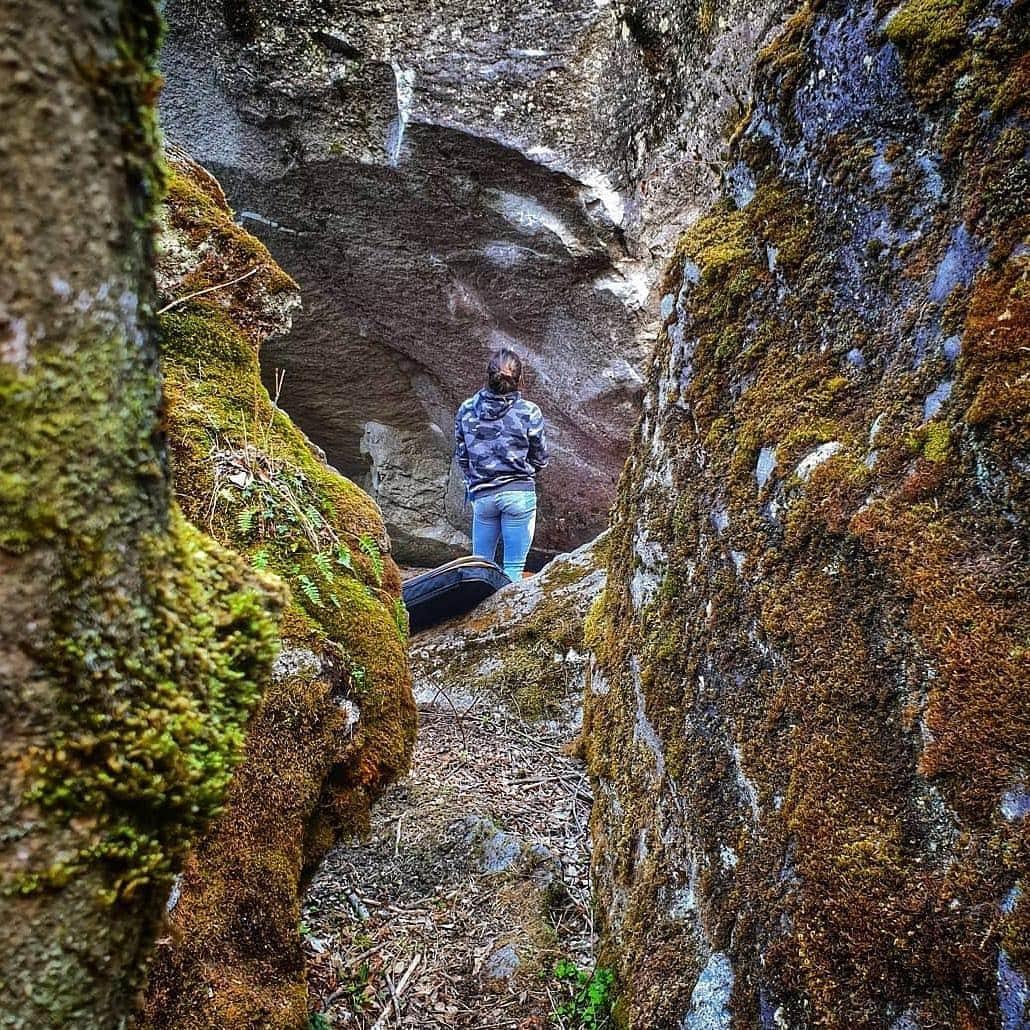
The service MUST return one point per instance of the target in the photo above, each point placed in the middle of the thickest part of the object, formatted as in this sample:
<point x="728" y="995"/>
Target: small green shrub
<point x="587" y="997"/>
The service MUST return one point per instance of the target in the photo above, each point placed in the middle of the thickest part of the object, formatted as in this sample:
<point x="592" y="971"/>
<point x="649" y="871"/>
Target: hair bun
<point x="504" y="373"/>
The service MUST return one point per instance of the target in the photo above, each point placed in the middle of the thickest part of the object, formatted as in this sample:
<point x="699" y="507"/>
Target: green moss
<point x="166" y="680"/>
<point x="933" y="36"/>
<point x="935" y="27"/>
<point x="247" y="476"/>
<point x="593" y="625"/>
<point x="171" y="684"/>
<point x="932" y="441"/>
<point x="719" y="244"/>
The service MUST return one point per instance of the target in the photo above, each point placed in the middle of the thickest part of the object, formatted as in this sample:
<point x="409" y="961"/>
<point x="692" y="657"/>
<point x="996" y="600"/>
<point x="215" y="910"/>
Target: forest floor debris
<point x="473" y="886"/>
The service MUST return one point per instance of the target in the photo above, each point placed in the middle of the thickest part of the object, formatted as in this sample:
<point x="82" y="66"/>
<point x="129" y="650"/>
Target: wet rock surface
<point x="442" y="180"/>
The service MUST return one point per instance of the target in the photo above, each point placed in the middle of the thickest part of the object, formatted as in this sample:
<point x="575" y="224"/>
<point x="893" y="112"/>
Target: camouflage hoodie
<point x="499" y="442"/>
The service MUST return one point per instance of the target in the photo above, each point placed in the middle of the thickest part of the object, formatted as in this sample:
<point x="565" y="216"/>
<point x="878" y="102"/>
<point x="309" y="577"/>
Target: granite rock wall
<point x="807" y="716"/>
<point x="446" y="179"/>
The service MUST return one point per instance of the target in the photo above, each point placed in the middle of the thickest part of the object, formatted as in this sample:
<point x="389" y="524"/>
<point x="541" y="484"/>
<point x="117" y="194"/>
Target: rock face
<point x="446" y="179"/>
<point x="808" y="718"/>
<point x="132" y="648"/>
<point x="337" y="720"/>
<point x="525" y="645"/>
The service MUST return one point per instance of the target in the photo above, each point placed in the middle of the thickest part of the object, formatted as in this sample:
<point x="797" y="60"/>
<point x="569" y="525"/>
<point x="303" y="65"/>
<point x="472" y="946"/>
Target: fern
<point x="370" y="549"/>
<point x="314" y="516"/>
<point x="400" y="617"/>
<point x="310" y="590"/>
<point x="259" y="559"/>
<point x="325" y="565"/>
<point x="358" y="675"/>
<point x="344" y="557"/>
<point x="245" y="521"/>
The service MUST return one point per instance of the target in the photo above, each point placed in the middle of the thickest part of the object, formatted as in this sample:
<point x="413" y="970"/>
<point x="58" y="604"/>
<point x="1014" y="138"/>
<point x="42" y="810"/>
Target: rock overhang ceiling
<point x="445" y="181"/>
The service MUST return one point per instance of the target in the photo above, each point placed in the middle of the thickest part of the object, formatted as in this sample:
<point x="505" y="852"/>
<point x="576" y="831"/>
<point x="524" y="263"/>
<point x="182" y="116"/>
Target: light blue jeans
<point x="509" y="515"/>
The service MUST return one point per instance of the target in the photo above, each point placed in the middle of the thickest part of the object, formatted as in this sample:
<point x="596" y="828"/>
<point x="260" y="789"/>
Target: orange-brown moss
<point x="833" y="664"/>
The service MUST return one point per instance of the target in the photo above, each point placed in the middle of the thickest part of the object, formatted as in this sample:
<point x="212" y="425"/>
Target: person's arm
<point x="538" y="456"/>
<point x="461" y="451"/>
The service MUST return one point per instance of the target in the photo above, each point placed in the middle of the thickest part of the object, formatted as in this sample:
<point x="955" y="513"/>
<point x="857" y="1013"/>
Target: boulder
<point x="337" y="720"/>
<point x="807" y="716"/>
<point x="133" y="648"/>
<point x="445" y="180"/>
<point x="525" y="645"/>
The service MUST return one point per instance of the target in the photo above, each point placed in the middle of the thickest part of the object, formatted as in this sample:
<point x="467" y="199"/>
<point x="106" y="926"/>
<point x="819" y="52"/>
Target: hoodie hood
<point x="490" y="406"/>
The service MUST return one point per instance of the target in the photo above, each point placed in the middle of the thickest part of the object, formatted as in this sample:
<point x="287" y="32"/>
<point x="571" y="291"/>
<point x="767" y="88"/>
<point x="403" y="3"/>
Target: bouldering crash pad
<point x="451" y="590"/>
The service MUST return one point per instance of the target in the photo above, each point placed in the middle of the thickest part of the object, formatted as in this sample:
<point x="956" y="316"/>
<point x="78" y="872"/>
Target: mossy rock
<point x="525" y="645"/>
<point x="337" y="722"/>
<point x="808" y="722"/>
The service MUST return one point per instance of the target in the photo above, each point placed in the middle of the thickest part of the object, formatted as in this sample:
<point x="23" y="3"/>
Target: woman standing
<point x="499" y="445"/>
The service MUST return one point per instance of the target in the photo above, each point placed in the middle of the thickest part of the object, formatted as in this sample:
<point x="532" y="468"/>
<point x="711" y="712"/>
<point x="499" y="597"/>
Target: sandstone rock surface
<point x="445" y="179"/>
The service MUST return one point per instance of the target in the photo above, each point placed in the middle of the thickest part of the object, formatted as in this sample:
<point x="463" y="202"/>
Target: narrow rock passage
<point x="473" y="884"/>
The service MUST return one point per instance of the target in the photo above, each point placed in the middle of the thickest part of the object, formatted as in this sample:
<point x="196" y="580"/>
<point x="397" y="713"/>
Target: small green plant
<point x="245" y="521"/>
<point x="355" y="988"/>
<point x="260" y="560"/>
<point x="400" y="616"/>
<point x="587" y="997"/>
<point x="370" y="549"/>
<point x="310" y="590"/>
<point x="324" y="563"/>
<point x="358" y="675"/>
<point x="344" y="557"/>
<point x="319" y="1021"/>
<point x="280" y="503"/>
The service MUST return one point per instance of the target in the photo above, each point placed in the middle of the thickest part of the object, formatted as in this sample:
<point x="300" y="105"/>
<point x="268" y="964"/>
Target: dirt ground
<point x="474" y="883"/>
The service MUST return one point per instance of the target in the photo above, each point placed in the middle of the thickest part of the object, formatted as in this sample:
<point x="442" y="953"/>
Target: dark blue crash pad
<point x="451" y="590"/>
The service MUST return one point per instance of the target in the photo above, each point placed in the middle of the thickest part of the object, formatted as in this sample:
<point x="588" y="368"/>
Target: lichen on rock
<point x="808" y="704"/>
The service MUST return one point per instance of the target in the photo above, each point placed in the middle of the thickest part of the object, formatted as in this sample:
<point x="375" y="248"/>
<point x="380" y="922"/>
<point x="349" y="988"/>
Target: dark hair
<point x="504" y="373"/>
